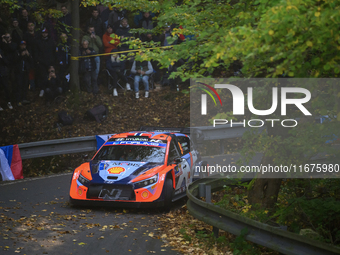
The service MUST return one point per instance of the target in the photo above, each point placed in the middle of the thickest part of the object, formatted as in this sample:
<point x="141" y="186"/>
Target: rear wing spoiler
<point x="195" y="134"/>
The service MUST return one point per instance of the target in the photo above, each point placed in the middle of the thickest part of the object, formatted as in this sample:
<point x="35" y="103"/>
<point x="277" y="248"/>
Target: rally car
<point x="137" y="169"/>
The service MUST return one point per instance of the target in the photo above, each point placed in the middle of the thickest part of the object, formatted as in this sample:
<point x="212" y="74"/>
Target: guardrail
<point x="262" y="234"/>
<point x="88" y="143"/>
<point x="57" y="147"/>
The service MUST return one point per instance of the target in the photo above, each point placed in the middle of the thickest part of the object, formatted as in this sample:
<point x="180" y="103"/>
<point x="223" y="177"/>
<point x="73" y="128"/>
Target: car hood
<point x="119" y="172"/>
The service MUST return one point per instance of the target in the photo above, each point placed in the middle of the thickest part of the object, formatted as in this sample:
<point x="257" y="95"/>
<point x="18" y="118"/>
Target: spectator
<point x="23" y="64"/>
<point x="30" y="37"/>
<point x="166" y="33"/>
<point x="4" y="80"/>
<point x="142" y="69"/>
<point x="124" y="33"/>
<point x="115" y="18"/>
<point x="116" y="67"/>
<point x="65" y="22"/>
<point x="50" y="24"/>
<point x="24" y="20"/>
<point x="95" y="42"/>
<point x="9" y="50"/>
<point x="63" y="58"/>
<point x="110" y="40"/>
<point x="146" y="22"/>
<point x="96" y="22"/>
<point x="104" y="13"/>
<point x="137" y="18"/>
<point x="87" y="67"/>
<point x="39" y="22"/>
<point x="44" y="56"/>
<point x="149" y="37"/>
<point x="16" y="32"/>
<point x="52" y="85"/>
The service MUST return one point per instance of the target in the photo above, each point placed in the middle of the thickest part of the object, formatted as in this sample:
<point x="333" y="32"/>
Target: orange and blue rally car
<point x="137" y="169"/>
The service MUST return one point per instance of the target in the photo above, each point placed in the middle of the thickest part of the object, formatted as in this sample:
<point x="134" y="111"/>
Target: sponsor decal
<point x="116" y="170"/>
<point x="145" y="194"/>
<point x="178" y="170"/>
<point x="80" y="192"/>
<point x="142" y="143"/>
<point x="140" y="139"/>
<point x="110" y="194"/>
<point x="125" y="164"/>
<point x="180" y="190"/>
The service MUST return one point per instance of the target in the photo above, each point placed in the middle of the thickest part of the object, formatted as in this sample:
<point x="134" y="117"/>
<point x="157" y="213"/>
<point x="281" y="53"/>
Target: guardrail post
<point x="208" y="194"/>
<point x="201" y="190"/>
<point x="208" y="200"/>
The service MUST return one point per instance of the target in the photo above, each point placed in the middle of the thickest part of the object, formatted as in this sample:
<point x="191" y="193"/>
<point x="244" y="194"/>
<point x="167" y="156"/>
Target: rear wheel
<point x="167" y="193"/>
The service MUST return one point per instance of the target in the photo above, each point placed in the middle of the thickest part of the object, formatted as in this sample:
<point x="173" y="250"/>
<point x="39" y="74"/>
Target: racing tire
<point x="167" y="193"/>
<point x="204" y="166"/>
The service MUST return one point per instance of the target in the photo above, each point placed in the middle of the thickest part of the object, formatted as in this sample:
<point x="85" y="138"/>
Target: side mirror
<point x="177" y="160"/>
<point x="86" y="158"/>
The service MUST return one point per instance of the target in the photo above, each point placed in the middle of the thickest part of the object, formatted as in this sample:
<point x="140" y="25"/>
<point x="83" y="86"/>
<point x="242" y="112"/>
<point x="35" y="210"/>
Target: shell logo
<point x="116" y="170"/>
<point x="145" y="194"/>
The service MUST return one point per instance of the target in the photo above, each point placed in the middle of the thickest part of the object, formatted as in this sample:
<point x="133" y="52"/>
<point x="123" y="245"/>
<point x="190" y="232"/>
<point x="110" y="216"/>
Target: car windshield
<point x="141" y="153"/>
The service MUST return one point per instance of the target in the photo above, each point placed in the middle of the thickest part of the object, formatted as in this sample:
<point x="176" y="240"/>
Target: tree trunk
<point x="75" y="48"/>
<point x="265" y="191"/>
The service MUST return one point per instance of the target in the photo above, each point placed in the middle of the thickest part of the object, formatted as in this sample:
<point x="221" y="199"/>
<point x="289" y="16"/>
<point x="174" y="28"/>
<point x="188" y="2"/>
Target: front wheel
<point x="167" y="193"/>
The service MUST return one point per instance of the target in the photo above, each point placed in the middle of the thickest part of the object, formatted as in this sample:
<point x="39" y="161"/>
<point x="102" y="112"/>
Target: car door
<point x="181" y="168"/>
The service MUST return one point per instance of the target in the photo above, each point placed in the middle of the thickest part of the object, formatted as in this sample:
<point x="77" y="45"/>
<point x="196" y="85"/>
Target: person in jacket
<point x="52" y="84"/>
<point x="142" y="70"/>
<point x="4" y="80"/>
<point x="63" y="59"/>
<point x="15" y="31"/>
<point x="116" y="67"/>
<point x="31" y="37"/>
<point x="87" y="67"/>
<point x="146" y="23"/>
<point x="96" y="22"/>
<point x="24" y="20"/>
<point x="95" y="42"/>
<point x="124" y="34"/>
<point x="110" y="40"/>
<point x="9" y="50"/>
<point x="65" y="22"/>
<point x="115" y="18"/>
<point x="23" y="64"/>
<point x="44" y="56"/>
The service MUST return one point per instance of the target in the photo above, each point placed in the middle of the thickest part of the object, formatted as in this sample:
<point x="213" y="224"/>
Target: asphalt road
<point x="35" y="218"/>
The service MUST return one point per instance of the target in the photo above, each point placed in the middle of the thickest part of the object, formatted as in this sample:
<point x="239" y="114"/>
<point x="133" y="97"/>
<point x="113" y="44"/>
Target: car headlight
<point x="146" y="182"/>
<point x="83" y="180"/>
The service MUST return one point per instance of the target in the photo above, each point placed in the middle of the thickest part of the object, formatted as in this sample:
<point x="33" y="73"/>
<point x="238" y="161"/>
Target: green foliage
<point x="184" y="234"/>
<point x="312" y="204"/>
<point x="302" y="204"/>
<point x="241" y="246"/>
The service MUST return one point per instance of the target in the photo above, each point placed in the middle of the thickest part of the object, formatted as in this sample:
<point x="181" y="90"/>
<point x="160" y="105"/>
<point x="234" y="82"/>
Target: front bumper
<point x="116" y="204"/>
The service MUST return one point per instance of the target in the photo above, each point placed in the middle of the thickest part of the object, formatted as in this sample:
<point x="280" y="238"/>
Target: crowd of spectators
<point x="35" y="52"/>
